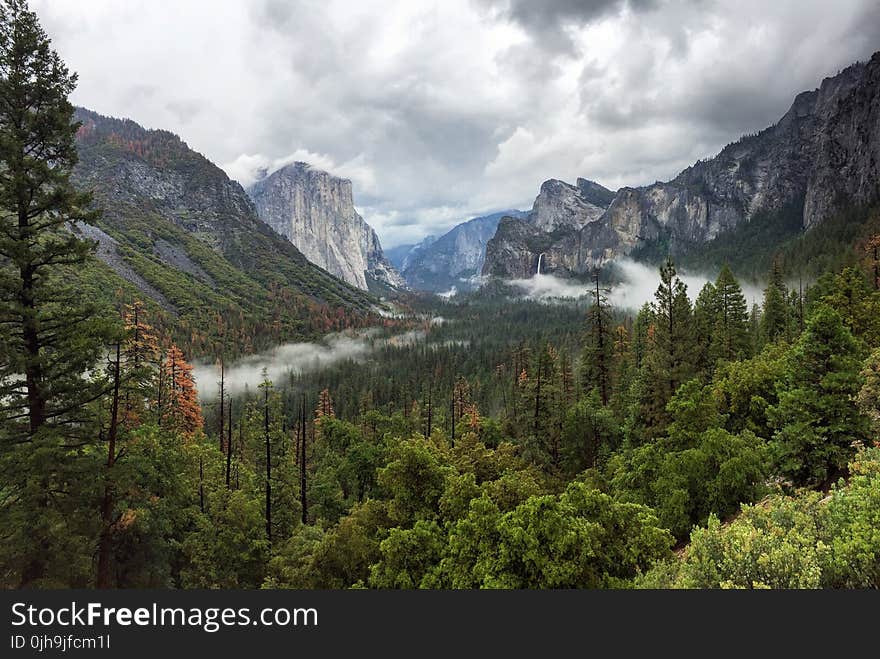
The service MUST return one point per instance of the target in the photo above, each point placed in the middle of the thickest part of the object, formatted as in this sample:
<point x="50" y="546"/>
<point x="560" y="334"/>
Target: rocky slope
<point x="561" y="214"/>
<point x="186" y="237"/>
<point x="455" y="258"/>
<point x="822" y="155"/>
<point x="315" y="211"/>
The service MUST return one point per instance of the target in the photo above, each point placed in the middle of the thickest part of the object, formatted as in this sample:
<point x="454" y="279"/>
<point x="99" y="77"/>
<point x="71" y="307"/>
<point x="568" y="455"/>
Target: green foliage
<point x="228" y="548"/>
<point x="579" y="539"/>
<point x="869" y="394"/>
<point x="410" y="557"/>
<point x="816" y="422"/>
<point x="670" y="359"/>
<point x="698" y="469"/>
<point x="414" y="477"/>
<point x="50" y="336"/>
<point x="806" y="541"/>
<point x="589" y="432"/>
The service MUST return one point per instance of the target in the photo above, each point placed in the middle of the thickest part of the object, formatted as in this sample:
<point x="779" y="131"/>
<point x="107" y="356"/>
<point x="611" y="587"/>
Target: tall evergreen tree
<point x="670" y="358"/>
<point x="730" y="334"/>
<point x="816" y="419"/>
<point x="596" y="358"/>
<point x="706" y="313"/>
<point x="775" y="316"/>
<point x="49" y="338"/>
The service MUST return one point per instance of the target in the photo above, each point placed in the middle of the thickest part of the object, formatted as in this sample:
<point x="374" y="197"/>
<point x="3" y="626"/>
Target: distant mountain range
<point x="454" y="259"/>
<point x="822" y="156"/>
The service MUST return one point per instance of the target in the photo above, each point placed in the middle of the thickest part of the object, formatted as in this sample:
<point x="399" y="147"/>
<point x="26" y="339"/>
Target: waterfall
<point x="540" y="258"/>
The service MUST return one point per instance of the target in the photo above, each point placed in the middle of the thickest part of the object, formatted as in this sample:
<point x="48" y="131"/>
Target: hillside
<point x="185" y="236"/>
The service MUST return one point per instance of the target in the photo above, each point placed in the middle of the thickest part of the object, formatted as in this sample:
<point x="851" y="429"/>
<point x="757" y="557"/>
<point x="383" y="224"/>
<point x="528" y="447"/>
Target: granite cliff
<point x="821" y="156"/>
<point x="315" y="211"/>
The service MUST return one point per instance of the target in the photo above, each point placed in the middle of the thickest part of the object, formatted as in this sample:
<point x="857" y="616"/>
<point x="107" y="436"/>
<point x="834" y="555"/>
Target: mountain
<point x="315" y="211"/>
<point x="176" y="231"/>
<point x="553" y="227"/>
<point x="397" y="255"/>
<point x="455" y="257"/>
<point x="401" y="255"/>
<point x="821" y="157"/>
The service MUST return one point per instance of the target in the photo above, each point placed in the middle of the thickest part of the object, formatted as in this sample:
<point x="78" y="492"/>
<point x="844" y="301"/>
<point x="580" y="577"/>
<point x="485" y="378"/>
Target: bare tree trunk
<point x="302" y="463"/>
<point x="105" y="543"/>
<point x="268" y="467"/>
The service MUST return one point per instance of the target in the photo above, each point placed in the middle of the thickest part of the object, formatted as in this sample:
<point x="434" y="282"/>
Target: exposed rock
<point x="174" y="225"/>
<point x="106" y="251"/>
<point x="824" y="152"/>
<point x="315" y="211"/>
<point x="554" y="227"/>
<point x="455" y="258"/>
<point x="563" y="206"/>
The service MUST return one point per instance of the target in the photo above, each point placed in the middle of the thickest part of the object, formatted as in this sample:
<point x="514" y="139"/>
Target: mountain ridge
<point x="454" y="258"/>
<point x="823" y="153"/>
<point x="186" y="237"/>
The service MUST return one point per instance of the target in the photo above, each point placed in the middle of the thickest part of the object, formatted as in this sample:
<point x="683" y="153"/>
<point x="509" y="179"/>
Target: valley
<point x="211" y="383"/>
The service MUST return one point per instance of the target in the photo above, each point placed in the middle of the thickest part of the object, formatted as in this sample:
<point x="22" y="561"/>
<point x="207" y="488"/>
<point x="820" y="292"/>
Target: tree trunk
<point x="105" y="544"/>
<point x="302" y="463"/>
<point x="268" y="467"/>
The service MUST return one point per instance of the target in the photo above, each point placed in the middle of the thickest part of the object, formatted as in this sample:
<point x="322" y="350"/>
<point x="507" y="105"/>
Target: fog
<point x="296" y="358"/>
<point x="637" y="286"/>
<point x="289" y="358"/>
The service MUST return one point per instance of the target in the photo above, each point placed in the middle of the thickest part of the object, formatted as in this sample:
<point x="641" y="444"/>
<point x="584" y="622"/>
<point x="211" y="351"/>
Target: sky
<point x="442" y="111"/>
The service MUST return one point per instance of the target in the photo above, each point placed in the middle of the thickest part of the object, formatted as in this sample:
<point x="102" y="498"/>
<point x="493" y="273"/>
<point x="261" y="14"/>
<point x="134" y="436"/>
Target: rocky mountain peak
<point x="823" y="154"/>
<point x="315" y="211"/>
<point x="560" y="205"/>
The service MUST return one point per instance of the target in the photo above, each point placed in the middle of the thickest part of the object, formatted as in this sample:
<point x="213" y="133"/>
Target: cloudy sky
<point x="440" y="111"/>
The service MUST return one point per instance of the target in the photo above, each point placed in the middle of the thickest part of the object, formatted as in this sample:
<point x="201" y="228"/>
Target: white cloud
<point x="440" y="111"/>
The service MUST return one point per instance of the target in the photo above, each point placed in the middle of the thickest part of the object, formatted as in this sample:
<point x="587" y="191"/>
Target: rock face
<point x="455" y="258"/>
<point x="561" y="206"/>
<point x="561" y="215"/>
<point x="822" y="154"/>
<point x="315" y="211"/>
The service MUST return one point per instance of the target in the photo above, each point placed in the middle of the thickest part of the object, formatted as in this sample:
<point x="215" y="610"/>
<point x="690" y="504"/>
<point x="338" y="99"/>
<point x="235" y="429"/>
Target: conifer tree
<point x="816" y="420"/>
<point x="598" y="345"/>
<point x="775" y="315"/>
<point x="670" y="358"/>
<point x="49" y="337"/>
<point x="182" y="412"/>
<point x="730" y="334"/>
<point x="706" y="314"/>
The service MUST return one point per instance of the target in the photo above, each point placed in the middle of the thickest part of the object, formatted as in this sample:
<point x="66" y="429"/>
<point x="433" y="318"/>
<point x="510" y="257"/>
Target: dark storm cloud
<point x="547" y="21"/>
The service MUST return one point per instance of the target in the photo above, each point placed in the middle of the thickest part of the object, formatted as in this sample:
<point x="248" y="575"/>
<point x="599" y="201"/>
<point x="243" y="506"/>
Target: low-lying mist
<point x="638" y="284"/>
<point x="296" y="358"/>
<point x="247" y="373"/>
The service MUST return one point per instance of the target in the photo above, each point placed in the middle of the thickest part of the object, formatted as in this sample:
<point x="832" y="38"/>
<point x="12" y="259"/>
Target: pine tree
<point x="325" y="406"/>
<point x="644" y="320"/>
<point x="49" y="337"/>
<point x="597" y="353"/>
<point x="815" y="418"/>
<point x="670" y="358"/>
<point x="182" y="411"/>
<point x="140" y="352"/>
<point x="706" y="313"/>
<point x="774" y="319"/>
<point x="730" y="333"/>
